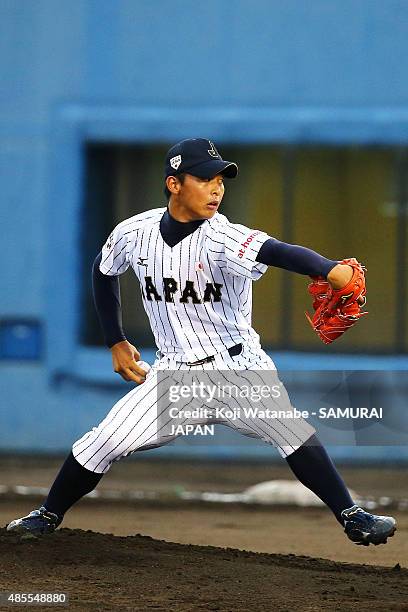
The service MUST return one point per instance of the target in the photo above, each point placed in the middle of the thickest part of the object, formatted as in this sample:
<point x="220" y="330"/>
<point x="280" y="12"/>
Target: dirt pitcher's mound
<point x="105" y="572"/>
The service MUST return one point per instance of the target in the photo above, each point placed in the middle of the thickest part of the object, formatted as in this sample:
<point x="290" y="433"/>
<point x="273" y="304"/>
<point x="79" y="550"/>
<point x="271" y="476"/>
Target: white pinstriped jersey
<point x="198" y="293"/>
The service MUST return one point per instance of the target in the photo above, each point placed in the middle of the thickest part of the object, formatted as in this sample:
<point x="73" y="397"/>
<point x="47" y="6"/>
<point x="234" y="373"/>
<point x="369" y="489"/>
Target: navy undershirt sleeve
<point x="294" y="258"/>
<point x="106" y="294"/>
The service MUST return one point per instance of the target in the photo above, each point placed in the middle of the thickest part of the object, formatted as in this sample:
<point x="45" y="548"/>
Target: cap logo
<point x="213" y="151"/>
<point x="175" y="162"/>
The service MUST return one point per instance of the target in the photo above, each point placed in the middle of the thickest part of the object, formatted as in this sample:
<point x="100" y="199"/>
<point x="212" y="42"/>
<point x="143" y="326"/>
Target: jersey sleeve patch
<point x="242" y="246"/>
<point x="115" y="257"/>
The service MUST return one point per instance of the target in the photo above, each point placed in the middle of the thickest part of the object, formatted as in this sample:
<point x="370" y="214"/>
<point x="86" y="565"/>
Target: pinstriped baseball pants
<point x="135" y="422"/>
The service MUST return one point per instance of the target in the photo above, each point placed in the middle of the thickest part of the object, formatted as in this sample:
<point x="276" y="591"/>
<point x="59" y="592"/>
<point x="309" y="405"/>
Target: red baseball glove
<point x="336" y="310"/>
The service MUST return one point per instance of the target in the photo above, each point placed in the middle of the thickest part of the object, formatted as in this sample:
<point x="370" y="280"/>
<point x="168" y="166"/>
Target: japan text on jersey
<point x="198" y="293"/>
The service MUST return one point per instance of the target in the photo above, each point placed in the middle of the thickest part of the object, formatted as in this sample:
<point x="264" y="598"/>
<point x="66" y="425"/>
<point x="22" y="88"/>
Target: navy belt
<point x="233" y="352"/>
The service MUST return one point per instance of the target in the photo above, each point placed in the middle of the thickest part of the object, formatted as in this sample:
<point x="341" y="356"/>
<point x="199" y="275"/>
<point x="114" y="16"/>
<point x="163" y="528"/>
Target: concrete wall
<point x="89" y="70"/>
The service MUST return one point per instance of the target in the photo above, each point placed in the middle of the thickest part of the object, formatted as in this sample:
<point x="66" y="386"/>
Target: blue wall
<point x="243" y="71"/>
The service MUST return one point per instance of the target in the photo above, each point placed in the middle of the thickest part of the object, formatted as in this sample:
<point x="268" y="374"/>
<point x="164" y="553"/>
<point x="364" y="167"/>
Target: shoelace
<point x="360" y="517"/>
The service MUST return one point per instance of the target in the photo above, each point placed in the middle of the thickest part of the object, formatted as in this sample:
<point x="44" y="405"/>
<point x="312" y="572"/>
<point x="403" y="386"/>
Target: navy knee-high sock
<point x="72" y="483"/>
<point x="313" y="467"/>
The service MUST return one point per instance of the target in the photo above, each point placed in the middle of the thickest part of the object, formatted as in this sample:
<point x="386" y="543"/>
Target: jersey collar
<point x="174" y="231"/>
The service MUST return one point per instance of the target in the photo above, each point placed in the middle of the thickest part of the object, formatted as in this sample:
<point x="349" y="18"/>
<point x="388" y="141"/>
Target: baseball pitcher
<point x="195" y="270"/>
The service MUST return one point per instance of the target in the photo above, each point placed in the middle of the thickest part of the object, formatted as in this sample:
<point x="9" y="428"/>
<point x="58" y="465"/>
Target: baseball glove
<point x="336" y="310"/>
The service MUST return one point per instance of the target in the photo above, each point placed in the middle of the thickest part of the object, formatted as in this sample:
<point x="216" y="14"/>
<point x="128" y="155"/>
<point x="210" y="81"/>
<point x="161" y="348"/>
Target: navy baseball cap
<point x="199" y="157"/>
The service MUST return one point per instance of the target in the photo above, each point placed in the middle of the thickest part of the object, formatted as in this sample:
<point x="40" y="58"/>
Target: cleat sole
<point x="24" y="532"/>
<point x="18" y="529"/>
<point x="366" y="541"/>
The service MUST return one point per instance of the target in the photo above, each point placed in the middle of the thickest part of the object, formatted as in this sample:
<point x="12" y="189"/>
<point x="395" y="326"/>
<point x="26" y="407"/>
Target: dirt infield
<point x="105" y="572"/>
<point x="297" y="531"/>
<point x="301" y="531"/>
<point x="304" y="560"/>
